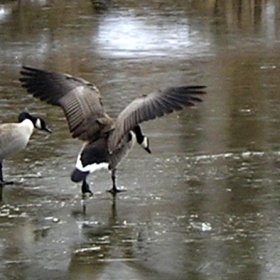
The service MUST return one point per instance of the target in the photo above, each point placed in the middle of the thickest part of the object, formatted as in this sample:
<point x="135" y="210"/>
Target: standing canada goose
<point x="15" y="136"/>
<point x="107" y="141"/>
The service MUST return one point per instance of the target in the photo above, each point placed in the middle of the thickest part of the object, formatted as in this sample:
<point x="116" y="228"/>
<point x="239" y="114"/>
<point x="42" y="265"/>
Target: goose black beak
<point x="47" y="129"/>
<point x="148" y="150"/>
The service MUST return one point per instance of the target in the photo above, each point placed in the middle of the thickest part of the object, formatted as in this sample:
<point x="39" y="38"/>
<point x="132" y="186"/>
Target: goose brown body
<point x="107" y="140"/>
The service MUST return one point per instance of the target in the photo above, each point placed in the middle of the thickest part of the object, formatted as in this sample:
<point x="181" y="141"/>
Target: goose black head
<point x="145" y="144"/>
<point x="38" y="123"/>
<point x="142" y="140"/>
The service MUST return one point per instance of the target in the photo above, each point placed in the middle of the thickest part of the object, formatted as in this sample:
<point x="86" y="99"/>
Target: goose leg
<point x="85" y="188"/>
<point x="2" y="182"/>
<point x="114" y="190"/>
<point x="1" y="172"/>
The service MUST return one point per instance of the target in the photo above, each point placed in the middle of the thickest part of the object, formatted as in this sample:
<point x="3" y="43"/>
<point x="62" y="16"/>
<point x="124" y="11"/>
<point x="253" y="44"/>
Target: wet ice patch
<point x="202" y="226"/>
<point x="10" y="211"/>
<point x="268" y="67"/>
<point x="52" y="219"/>
<point x="87" y="252"/>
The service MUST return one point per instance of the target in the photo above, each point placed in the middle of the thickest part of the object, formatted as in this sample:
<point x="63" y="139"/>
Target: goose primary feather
<point x="107" y="141"/>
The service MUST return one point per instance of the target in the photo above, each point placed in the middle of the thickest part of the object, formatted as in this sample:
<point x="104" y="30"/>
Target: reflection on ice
<point x="131" y="36"/>
<point x="4" y="12"/>
<point x="270" y="19"/>
<point x="242" y="155"/>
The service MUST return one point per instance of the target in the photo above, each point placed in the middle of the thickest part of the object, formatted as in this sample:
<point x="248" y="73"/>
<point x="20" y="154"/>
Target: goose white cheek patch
<point x="90" y="167"/>
<point x="38" y="123"/>
<point x="145" y="143"/>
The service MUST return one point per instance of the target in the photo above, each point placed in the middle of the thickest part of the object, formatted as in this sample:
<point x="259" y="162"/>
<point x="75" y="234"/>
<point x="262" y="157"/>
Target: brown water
<point x="205" y="204"/>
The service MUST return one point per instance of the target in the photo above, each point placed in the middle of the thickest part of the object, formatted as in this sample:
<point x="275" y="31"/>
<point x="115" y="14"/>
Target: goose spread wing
<point x="154" y="105"/>
<point x="79" y="99"/>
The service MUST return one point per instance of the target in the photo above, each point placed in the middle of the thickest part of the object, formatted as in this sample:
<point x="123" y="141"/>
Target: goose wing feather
<point x="79" y="99"/>
<point x="154" y="105"/>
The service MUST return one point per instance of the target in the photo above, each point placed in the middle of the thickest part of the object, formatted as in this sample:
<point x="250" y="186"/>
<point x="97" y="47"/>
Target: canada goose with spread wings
<point x="107" y="141"/>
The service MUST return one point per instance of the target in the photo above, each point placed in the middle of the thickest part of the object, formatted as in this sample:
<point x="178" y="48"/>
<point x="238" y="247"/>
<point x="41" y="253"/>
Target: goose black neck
<point x="139" y="135"/>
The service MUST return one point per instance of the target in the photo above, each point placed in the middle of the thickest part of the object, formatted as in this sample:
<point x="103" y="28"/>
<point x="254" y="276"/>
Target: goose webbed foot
<point x="85" y="188"/>
<point x="114" y="190"/>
